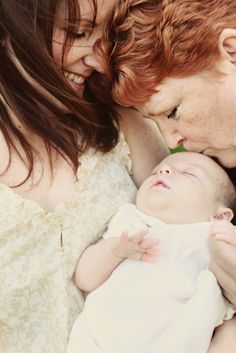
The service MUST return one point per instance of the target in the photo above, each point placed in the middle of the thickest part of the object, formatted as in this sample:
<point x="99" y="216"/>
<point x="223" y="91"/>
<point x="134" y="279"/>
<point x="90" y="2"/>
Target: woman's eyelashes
<point x="79" y="35"/>
<point x="172" y="114"/>
<point x="76" y="34"/>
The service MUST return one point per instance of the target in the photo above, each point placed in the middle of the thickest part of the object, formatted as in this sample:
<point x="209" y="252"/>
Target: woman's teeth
<point x="74" y="78"/>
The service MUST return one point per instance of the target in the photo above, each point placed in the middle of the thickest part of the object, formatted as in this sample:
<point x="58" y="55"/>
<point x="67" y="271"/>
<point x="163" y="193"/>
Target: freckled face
<point x="199" y="112"/>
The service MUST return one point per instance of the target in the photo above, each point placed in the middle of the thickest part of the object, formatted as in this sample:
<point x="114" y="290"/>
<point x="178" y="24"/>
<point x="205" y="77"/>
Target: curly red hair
<point x="147" y="41"/>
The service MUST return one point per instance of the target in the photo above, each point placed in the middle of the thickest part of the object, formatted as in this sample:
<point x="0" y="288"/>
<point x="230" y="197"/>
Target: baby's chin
<point x="142" y="208"/>
<point x="149" y="212"/>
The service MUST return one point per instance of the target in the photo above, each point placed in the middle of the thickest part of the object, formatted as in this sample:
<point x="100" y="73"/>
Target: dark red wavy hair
<point x="149" y="40"/>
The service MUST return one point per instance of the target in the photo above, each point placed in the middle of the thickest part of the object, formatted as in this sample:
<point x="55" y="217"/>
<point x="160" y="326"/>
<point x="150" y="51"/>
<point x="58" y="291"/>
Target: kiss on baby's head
<point x="187" y="187"/>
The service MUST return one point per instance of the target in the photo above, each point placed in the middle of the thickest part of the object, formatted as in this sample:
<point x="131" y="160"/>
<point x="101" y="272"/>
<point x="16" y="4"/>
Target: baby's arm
<point x="99" y="260"/>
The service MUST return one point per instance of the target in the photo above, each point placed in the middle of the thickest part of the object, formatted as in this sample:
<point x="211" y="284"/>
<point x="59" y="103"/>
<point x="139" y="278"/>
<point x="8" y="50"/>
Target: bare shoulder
<point x="147" y="147"/>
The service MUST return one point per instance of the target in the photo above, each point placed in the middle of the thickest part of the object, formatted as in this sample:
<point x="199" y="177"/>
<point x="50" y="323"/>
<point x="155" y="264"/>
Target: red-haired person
<point x="63" y="159"/>
<point x="175" y="61"/>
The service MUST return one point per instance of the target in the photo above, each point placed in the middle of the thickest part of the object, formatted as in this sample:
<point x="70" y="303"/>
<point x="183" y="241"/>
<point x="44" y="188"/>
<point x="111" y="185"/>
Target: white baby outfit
<point x="170" y="306"/>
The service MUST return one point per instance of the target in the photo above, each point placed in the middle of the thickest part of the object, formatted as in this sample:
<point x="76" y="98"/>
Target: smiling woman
<point x="78" y="63"/>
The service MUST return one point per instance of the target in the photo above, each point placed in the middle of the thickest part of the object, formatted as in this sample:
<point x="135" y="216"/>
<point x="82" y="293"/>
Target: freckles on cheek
<point x="194" y="123"/>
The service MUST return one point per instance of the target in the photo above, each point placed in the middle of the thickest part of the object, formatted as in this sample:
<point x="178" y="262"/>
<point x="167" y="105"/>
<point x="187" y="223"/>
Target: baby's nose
<point x="165" y="169"/>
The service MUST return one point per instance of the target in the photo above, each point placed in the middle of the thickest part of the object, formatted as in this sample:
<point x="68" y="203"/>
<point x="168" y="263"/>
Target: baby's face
<point x="184" y="188"/>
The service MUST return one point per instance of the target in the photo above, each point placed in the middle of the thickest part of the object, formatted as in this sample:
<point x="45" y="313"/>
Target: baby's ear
<point x="227" y="44"/>
<point x="223" y="213"/>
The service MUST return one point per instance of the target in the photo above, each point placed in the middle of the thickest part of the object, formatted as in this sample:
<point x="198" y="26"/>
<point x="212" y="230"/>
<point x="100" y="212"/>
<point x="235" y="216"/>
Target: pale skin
<point x="143" y="138"/>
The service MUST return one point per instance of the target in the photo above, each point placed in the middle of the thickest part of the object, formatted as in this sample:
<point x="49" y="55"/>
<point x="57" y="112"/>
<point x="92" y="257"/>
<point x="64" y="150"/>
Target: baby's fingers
<point x="150" y="257"/>
<point x="138" y="237"/>
<point x="149" y="243"/>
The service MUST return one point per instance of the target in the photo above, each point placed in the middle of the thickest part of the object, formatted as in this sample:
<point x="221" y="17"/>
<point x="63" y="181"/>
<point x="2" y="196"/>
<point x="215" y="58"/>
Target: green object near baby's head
<point x="178" y="149"/>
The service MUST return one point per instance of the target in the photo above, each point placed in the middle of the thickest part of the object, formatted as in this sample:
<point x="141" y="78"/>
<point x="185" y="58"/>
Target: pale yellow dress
<point x="39" y="251"/>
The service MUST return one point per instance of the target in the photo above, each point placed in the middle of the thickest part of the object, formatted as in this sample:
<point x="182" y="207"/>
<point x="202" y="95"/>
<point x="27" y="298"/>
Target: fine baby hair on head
<point x="152" y="40"/>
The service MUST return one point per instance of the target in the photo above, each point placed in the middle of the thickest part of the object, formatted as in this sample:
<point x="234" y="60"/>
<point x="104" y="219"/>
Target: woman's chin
<point x="228" y="162"/>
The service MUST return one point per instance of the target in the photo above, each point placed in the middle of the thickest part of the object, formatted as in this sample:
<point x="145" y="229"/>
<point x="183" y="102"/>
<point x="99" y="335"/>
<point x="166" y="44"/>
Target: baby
<point x="170" y="302"/>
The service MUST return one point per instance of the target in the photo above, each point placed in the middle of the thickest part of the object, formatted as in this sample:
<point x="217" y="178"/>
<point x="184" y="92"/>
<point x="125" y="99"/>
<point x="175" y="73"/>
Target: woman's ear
<point x="223" y="213"/>
<point x="227" y="44"/>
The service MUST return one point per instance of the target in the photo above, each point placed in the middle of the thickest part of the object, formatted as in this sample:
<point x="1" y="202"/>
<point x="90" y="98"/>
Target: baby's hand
<point x="135" y="246"/>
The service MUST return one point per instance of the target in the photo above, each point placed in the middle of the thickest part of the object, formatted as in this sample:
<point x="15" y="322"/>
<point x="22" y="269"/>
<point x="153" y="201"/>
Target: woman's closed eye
<point x="172" y="114"/>
<point x="77" y="35"/>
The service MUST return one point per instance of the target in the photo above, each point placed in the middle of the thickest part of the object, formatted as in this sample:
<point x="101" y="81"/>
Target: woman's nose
<point x="170" y="133"/>
<point x="91" y="61"/>
<point x="174" y="140"/>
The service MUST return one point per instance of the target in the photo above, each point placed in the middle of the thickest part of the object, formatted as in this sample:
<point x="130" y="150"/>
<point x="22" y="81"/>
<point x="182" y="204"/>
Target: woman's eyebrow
<point x="84" y="22"/>
<point x="161" y="109"/>
<point x="157" y="113"/>
<point x="152" y="114"/>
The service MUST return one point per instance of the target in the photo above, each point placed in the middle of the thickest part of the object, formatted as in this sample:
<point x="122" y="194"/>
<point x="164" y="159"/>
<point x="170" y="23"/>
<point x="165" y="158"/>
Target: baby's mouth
<point x="160" y="183"/>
